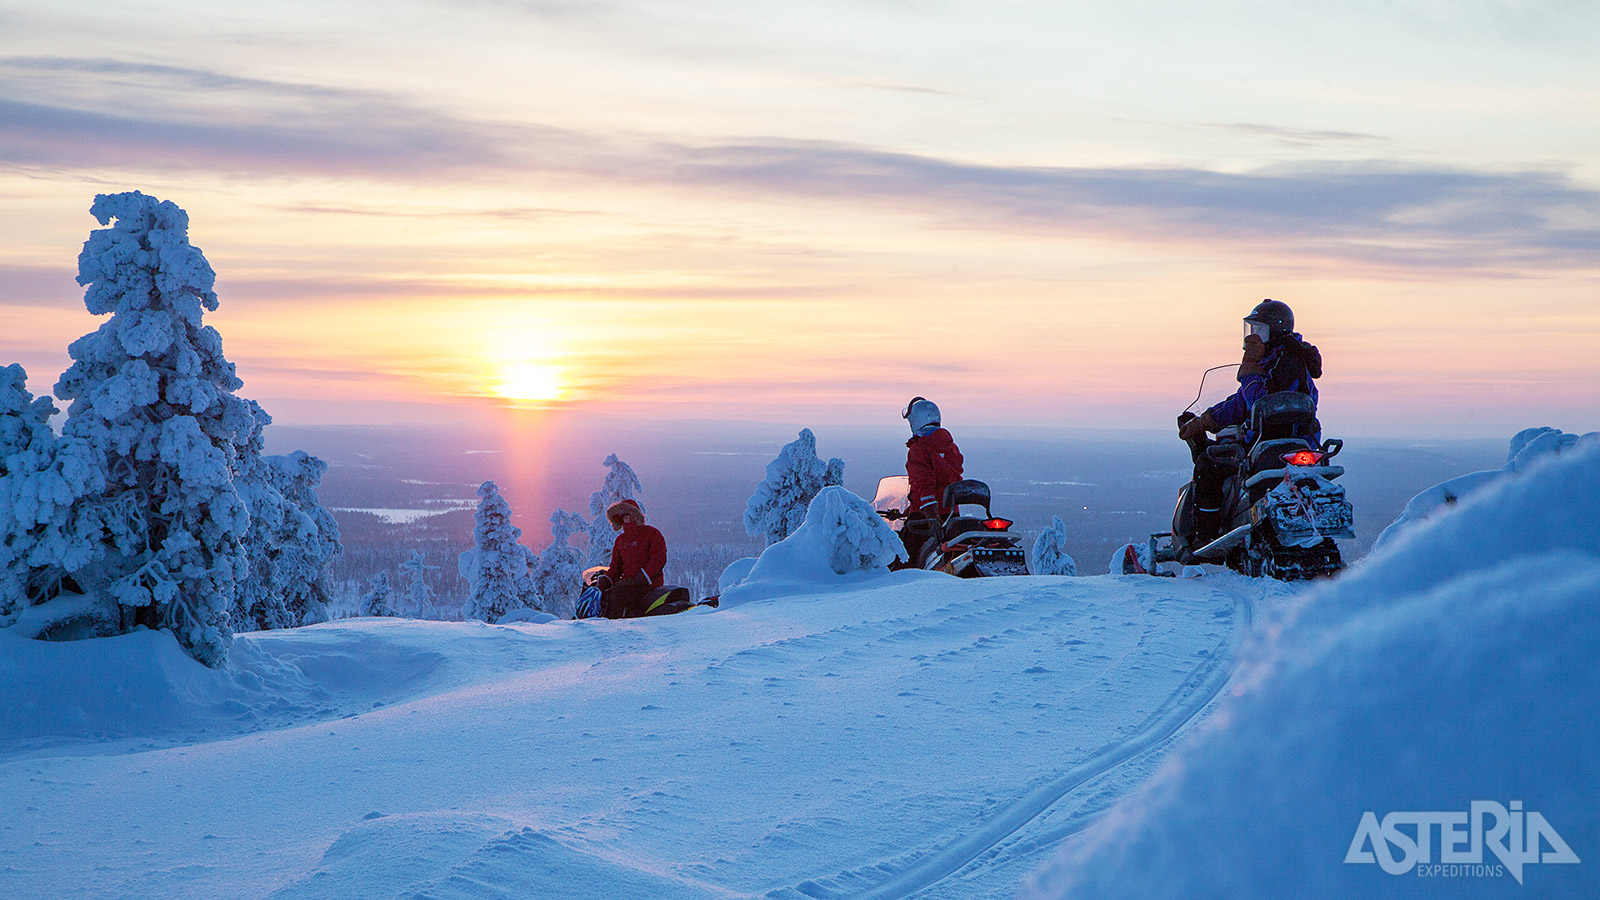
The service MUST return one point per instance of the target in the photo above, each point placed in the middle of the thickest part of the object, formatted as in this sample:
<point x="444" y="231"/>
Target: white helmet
<point x="920" y="412"/>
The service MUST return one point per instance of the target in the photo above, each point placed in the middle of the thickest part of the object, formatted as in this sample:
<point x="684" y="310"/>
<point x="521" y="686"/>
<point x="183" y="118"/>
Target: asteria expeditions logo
<point x="1516" y="838"/>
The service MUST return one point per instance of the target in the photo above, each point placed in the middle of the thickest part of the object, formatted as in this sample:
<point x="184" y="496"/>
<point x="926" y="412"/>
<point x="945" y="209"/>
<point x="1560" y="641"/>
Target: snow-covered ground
<point x="899" y="733"/>
<point x="864" y="735"/>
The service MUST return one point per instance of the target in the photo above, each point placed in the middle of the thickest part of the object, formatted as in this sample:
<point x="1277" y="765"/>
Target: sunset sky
<point x="1046" y="213"/>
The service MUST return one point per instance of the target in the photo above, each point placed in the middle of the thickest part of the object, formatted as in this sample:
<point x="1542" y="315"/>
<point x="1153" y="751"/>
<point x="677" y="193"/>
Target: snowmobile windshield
<point x="1259" y="329"/>
<point x="1216" y="385"/>
<point x="894" y="493"/>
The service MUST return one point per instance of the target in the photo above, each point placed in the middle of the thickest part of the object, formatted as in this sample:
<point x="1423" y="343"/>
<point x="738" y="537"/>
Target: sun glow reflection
<point x="526" y="381"/>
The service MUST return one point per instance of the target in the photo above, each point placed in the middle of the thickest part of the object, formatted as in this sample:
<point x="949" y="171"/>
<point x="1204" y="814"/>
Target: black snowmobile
<point x="962" y="544"/>
<point x="1282" y="510"/>
<point x="662" y="601"/>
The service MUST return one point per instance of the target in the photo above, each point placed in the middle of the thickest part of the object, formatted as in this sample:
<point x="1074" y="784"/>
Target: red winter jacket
<point x="933" y="463"/>
<point x="639" y="548"/>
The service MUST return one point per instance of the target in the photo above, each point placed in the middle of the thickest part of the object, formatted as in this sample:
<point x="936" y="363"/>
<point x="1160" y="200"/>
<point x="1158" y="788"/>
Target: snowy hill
<point x="907" y="730"/>
<point x="864" y="736"/>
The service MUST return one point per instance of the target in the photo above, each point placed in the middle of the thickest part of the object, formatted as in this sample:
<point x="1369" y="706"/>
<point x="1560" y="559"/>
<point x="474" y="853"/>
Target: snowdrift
<point x="842" y="541"/>
<point x="1455" y="665"/>
<point x="142" y="686"/>
<point x="1528" y="446"/>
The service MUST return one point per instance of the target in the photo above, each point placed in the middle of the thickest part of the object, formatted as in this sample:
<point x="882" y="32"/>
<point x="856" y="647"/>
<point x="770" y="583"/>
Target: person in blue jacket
<point x="1275" y="359"/>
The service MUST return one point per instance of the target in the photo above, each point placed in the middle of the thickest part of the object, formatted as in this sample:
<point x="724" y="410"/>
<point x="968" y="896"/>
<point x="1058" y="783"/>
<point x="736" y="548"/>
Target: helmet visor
<point x="1260" y="329"/>
<point x="906" y="413"/>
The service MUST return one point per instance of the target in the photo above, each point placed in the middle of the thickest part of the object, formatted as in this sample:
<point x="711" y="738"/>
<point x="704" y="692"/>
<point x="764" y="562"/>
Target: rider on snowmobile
<point x="933" y="463"/>
<point x="1275" y="359"/>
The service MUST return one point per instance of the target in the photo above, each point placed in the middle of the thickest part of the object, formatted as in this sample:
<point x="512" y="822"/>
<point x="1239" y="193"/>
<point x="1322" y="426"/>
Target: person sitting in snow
<point x="638" y="561"/>
<point x="1275" y="359"/>
<point x="933" y="463"/>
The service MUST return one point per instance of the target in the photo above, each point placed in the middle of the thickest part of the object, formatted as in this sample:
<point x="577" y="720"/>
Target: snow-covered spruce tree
<point x="153" y="402"/>
<point x="779" y="505"/>
<point x="379" y="598"/>
<point x="620" y="484"/>
<point x="560" y="568"/>
<point x="500" y="577"/>
<point x="34" y="500"/>
<point x="419" y="594"/>
<point x="1050" y="555"/>
<point x="291" y="543"/>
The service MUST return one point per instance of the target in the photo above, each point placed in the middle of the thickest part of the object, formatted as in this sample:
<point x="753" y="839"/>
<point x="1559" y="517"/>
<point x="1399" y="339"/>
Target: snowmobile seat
<point x="967" y="491"/>
<point x="666" y="600"/>
<point x="1280" y="415"/>
<point x="961" y="525"/>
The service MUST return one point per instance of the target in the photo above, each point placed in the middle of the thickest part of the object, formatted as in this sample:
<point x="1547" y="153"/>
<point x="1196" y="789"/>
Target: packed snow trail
<point x="738" y="753"/>
<point x="1197" y="692"/>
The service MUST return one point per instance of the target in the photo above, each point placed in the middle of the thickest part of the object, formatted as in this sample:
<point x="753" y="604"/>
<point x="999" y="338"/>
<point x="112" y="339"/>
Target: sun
<point x="526" y="381"/>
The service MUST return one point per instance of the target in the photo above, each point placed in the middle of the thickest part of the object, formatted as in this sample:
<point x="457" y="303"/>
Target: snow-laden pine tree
<point x="620" y="484"/>
<point x="291" y="543"/>
<point x="1050" y="555"/>
<point x="557" y="575"/>
<point x="33" y="505"/>
<point x="794" y="478"/>
<point x="153" y="404"/>
<point x="500" y="578"/>
<point x="419" y="594"/>
<point x="379" y="598"/>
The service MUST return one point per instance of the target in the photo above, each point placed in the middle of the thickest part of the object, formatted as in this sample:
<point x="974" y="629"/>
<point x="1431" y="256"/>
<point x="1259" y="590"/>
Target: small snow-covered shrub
<point x="1050" y="555"/>
<point x="856" y="537"/>
<point x="419" y="594"/>
<point x="379" y="598"/>
<point x="794" y="478"/>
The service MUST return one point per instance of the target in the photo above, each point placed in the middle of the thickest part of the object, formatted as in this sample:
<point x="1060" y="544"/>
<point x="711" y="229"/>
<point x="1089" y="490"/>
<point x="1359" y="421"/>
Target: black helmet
<point x="1277" y="316"/>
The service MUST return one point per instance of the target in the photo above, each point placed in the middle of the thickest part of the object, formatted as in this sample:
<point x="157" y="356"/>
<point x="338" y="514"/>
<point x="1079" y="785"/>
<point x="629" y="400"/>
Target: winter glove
<point x="1255" y="350"/>
<point x="1197" y="427"/>
<point x="603" y="582"/>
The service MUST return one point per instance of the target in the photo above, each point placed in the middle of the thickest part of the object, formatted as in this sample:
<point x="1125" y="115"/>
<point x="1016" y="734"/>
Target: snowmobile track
<point x="1203" y="685"/>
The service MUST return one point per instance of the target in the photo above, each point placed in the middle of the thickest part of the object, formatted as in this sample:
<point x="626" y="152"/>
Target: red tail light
<point x="1304" y="457"/>
<point x="997" y="524"/>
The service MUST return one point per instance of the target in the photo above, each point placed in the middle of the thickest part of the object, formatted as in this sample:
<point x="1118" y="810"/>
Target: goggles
<point x="1259" y="329"/>
<point x="906" y="413"/>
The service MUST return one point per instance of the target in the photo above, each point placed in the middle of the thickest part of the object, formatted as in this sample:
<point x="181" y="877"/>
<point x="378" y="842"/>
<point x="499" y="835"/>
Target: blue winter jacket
<point x="1291" y="364"/>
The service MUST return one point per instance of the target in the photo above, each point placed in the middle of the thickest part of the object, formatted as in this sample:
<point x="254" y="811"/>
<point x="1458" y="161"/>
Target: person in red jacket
<point x="933" y="463"/>
<point x="638" y="559"/>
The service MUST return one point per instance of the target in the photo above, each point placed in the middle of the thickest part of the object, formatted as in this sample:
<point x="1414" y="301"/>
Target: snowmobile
<point x="962" y="543"/>
<point x="662" y="601"/>
<point x="1282" y="510"/>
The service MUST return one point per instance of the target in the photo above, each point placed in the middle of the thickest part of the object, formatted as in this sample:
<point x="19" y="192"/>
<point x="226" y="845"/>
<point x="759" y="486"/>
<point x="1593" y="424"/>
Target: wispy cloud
<point x="143" y="117"/>
<point x="99" y="113"/>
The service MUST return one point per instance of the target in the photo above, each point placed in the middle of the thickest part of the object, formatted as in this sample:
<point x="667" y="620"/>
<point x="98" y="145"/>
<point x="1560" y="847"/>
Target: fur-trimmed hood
<point x="617" y="512"/>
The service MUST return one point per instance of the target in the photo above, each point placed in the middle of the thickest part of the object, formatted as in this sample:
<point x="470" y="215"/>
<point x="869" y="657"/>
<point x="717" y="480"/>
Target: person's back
<point x="933" y="463"/>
